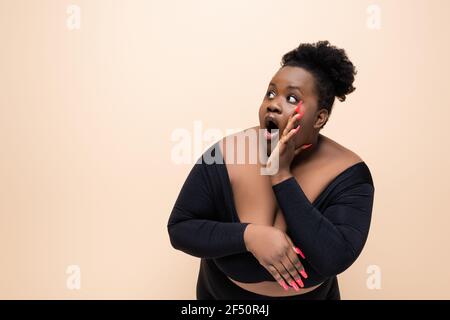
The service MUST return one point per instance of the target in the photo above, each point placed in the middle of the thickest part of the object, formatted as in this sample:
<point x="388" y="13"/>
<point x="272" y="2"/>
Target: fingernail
<point x="297" y="108"/>
<point x="303" y="273"/>
<point x="283" y="284"/>
<point x="300" y="283"/>
<point x="294" y="285"/>
<point x="299" y="252"/>
<point x="307" y="146"/>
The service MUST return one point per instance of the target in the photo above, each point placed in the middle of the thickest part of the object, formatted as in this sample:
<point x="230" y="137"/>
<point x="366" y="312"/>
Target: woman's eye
<point x="268" y="93"/>
<point x="295" y="99"/>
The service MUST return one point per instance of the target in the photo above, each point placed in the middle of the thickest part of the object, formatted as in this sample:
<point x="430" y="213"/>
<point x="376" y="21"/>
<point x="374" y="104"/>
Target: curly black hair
<point x="334" y="73"/>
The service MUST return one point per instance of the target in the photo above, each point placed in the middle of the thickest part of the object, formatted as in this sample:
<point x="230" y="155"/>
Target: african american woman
<point x="288" y="234"/>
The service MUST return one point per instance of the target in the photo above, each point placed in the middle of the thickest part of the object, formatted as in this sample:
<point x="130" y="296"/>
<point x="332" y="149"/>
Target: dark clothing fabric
<point x="331" y="231"/>
<point x="212" y="284"/>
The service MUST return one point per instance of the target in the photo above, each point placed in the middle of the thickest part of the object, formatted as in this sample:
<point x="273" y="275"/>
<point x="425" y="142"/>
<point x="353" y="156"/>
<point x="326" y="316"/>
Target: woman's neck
<point x="306" y="154"/>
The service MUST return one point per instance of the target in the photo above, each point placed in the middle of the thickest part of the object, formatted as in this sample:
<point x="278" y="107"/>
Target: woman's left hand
<point x="285" y="148"/>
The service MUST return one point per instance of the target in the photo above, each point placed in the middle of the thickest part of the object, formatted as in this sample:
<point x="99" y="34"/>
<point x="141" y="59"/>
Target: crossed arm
<point x="330" y="240"/>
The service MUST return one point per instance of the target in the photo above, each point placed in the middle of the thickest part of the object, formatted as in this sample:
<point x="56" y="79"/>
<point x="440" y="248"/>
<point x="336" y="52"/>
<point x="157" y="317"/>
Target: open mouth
<point x="271" y="129"/>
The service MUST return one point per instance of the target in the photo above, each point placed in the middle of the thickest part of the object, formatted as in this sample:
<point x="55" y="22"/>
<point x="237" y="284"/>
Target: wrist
<point x="280" y="176"/>
<point x="248" y="235"/>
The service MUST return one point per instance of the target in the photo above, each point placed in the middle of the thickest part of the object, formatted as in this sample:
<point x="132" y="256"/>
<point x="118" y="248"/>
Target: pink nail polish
<point x="300" y="283"/>
<point x="297" y="108"/>
<point x="294" y="285"/>
<point x="283" y="284"/>
<point x="299" y="252"/>
<point x="303" y="273"/>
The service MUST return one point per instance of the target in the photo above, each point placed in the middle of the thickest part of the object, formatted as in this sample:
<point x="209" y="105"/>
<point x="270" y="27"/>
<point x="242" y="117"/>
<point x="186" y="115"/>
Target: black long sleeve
<point x="331" y="240"/>
<point x="193" y="224"/>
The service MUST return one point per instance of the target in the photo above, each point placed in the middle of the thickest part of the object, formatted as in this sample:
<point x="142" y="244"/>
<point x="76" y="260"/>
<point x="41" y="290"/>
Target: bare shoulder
<point x="238" y="139"/>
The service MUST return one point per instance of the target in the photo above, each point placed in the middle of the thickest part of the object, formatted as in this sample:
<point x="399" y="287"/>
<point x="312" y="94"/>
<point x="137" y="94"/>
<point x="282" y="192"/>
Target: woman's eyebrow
<point x="295" y="88"/>
<point x="288" y="87"/>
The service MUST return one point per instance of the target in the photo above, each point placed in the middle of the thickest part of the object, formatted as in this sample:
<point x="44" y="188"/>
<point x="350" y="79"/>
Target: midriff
<point x="272" y="288"/>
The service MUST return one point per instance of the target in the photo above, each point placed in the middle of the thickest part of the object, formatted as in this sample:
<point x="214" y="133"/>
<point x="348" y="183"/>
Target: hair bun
<point x="331" y="65"/>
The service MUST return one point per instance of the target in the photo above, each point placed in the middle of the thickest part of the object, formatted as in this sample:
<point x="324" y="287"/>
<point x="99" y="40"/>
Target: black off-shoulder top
<point x="331" y="231"/>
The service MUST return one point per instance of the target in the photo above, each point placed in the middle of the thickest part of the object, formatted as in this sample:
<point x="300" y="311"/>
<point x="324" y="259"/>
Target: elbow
<point x="173" y="238"/>
<point x="174" y="231"/>
<point x="336" y="264"/>
<point x="184" y="243"/>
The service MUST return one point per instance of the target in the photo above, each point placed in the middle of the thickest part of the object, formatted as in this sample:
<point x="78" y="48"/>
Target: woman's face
<point x="287" y="87"/>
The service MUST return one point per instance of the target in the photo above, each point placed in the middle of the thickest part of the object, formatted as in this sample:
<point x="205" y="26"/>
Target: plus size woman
<point x="288" y="234"/>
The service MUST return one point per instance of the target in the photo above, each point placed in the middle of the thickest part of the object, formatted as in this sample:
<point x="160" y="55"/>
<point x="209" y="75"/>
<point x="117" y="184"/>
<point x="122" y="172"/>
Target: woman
<point x="288" y="234"/>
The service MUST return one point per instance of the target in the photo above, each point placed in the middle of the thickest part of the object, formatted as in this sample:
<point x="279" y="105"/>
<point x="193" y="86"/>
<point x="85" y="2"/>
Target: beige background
<point x="86" y="118"/>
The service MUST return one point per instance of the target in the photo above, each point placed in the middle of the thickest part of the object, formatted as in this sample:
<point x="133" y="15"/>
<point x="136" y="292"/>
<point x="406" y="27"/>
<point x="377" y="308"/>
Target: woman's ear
<point x="321" y="118"/>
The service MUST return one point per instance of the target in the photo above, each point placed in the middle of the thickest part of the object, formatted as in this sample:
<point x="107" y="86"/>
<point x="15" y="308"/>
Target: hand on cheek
<point x="299" y="113"/>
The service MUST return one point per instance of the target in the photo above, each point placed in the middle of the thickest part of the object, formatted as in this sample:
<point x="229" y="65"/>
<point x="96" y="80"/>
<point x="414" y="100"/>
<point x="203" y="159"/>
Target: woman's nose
<point x="273" y="108"/>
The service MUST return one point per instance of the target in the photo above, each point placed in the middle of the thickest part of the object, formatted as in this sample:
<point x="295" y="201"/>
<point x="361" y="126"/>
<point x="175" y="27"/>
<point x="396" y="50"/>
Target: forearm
<point x="208" y="239"/>
<point x="329" y="246"/>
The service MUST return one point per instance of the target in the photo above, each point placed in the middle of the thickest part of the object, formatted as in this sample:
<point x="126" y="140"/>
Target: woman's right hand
<point x="275" y="251"/>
